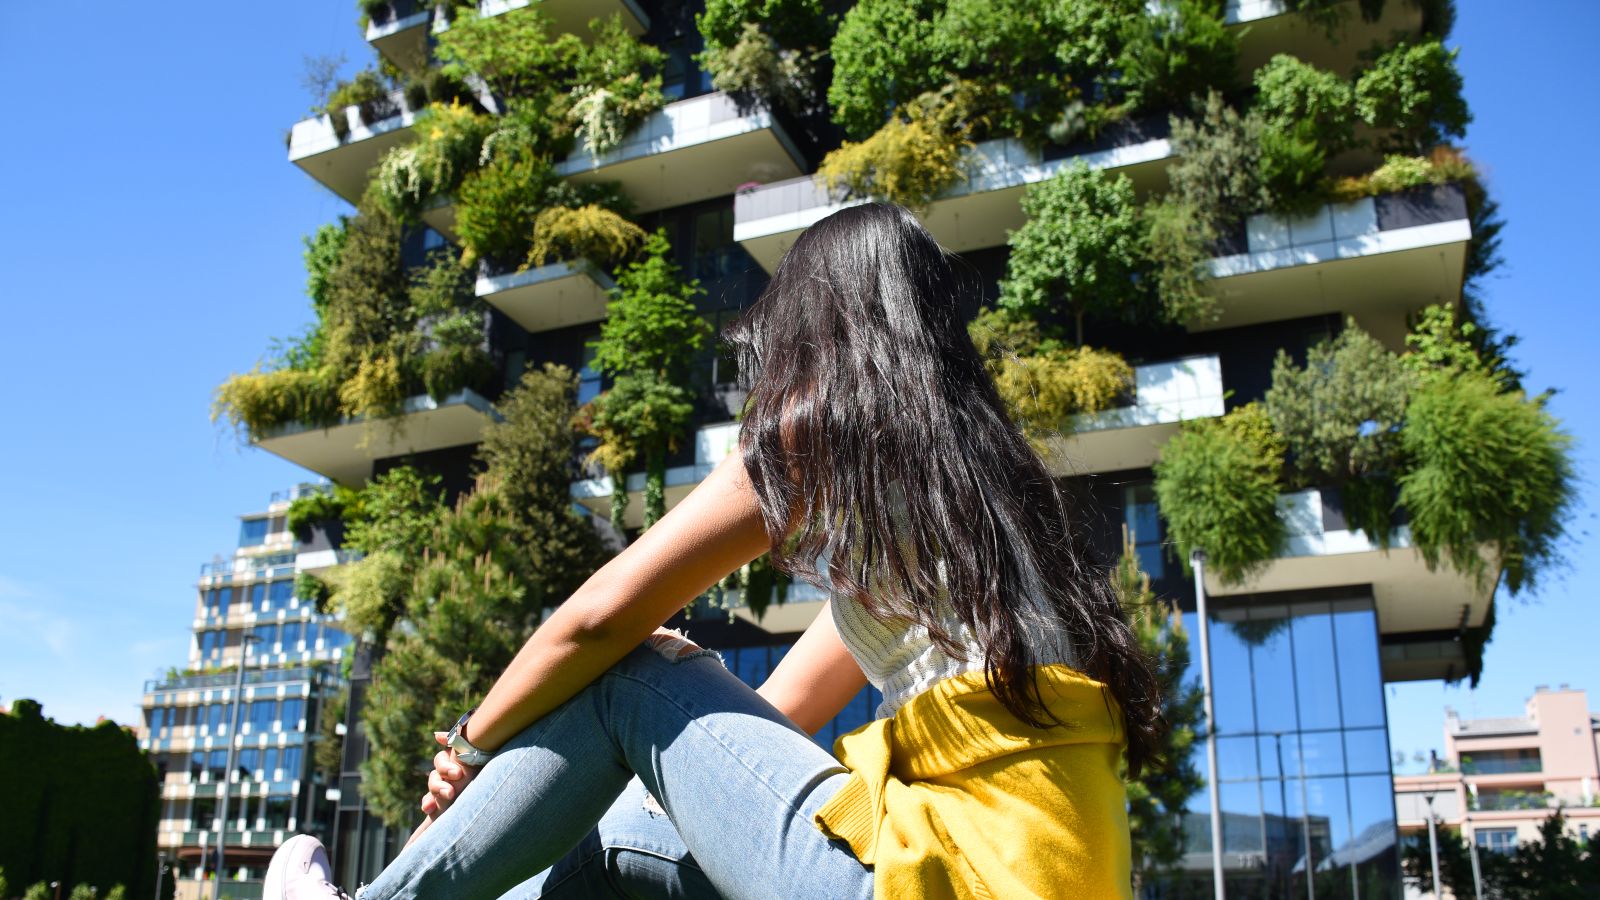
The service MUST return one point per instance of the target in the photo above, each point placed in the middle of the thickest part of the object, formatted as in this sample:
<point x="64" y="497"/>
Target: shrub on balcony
<point x="1399" y="173"/>
<point x="588" y="232"/>
<point x="448" y="146"/>
<point x="1177" y="241"/>
<point x="1217" y="487"/>
<point x="1307" y="117"/>
<point x="647" y="345"/>
<point x="757" y="67"/>
<point x="1180" y="46"/>
<point x="912" y="158"/>
<point x="1489" y="467"/>
<point x="887" y="53"/>
<point x="1044" y="384"/>
<point x="1217" y="169"/>
<point x="1079" y="252"/>
<point x="367" y="87"/>
<point x="612" y="92"/>
<point x="498" y="206"/>
<point x="1413" y="93"/>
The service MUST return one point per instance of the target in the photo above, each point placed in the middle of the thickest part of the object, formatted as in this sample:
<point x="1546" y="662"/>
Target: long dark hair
<point x="875" y="440"/>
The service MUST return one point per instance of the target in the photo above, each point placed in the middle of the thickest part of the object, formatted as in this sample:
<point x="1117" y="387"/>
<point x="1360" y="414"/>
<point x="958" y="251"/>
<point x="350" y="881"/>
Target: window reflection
<point x="1307" y="799"/>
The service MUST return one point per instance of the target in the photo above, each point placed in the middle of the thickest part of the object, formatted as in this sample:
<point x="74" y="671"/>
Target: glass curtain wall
<point x="1302" y="755"/>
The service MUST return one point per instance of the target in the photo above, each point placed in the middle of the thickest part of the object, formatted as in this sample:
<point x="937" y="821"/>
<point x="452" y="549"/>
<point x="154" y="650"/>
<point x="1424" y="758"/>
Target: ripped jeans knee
<point x="674" y="646"/>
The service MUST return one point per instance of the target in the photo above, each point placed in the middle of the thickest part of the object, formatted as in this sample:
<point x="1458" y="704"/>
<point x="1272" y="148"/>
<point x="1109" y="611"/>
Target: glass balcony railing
<point x="230" y="678"/>
<point x="1511" y="800"/>
<point x="1499" y="766"/>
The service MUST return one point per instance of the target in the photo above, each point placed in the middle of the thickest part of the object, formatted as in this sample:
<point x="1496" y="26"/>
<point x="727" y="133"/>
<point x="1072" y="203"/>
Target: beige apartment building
<point x="1501" y="777"/>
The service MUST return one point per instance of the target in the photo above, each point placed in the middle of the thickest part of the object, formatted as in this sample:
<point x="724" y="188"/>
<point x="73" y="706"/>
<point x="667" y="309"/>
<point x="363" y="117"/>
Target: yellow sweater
<point x="954" y="797"/>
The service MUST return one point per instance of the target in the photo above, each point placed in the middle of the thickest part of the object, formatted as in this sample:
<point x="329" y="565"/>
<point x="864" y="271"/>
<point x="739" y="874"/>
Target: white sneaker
<point x="300" y="871"/>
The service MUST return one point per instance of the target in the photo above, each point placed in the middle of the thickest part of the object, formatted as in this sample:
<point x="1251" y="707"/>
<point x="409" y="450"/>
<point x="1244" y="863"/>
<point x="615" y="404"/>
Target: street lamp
<point x="1433" y="844"/>
<point x="246" y="639"/>
<point x="1197" y="559"/>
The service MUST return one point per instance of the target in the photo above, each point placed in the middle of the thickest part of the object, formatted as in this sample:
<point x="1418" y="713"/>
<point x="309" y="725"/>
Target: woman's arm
<point x="816" y="678"/>
<point x="713" y="531"/>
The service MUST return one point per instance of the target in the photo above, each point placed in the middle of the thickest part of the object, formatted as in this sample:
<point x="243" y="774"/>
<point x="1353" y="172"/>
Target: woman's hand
<point x="450" y="776"/>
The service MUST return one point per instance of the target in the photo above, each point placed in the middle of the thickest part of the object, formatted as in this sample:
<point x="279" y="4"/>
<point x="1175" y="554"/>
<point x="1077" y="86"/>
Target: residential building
<point x="211" y="729"/>
<point x="1301" y="648"/>
<point x="1500" y="778"/>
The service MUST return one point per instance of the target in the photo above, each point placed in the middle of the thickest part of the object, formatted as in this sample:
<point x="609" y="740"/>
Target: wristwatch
<point x="464" y="750"/>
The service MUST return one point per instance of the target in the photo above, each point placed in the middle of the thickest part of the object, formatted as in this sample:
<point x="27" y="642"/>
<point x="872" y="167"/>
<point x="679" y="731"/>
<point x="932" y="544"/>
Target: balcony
<point x="402" y="36"/>
<point x="341" y="162"/>
<point x="1130" y="437"/>
<point x="1323" y="552"/>
<point x="1378" y="259"/>
<point x="552" y="296"/>
<point x="691" y="150"/>
<point x="1266" y="28"/>
<point x="345" y="452"/>
<point x="975" y="213"/>
<point x="712" y="444"/>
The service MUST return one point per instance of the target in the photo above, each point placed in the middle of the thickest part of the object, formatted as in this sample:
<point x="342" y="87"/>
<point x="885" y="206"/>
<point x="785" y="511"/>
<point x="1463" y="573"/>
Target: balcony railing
<point x="712" y="444"/>
<point x="340" y="148"/>
<point x="1165" y="393"/>
<point x="229" y="679"/>
<point x="1511" y="800"/>
<point x="974" y="213"/>
<point x="1491" y="766"/>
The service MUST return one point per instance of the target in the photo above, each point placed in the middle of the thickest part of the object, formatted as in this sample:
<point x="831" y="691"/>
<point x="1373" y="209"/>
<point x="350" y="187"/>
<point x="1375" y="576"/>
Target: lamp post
<point x="1197" y="559"/>
<point x="1433" y="845"/>
<point x="246" y="639"/>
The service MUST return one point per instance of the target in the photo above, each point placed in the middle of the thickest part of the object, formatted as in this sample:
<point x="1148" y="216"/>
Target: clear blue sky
<point x="153" y="247"/>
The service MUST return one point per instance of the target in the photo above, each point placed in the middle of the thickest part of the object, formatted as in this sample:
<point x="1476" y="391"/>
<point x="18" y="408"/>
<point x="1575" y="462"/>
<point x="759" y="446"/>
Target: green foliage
<point x="1441" y="346"/>
<point x="889" y="52"/>
<point x="515" y="55"/>
<point x="1307" y="117"/>
<point x="647" y="345"/>
<point x="757" y="66"/>
<point x="498" y="204"/>
<point x="1157" y="798"/>
<point x="257" y="402"/>
<point x="912" y="158"/>
<point x="317" y="506"/>
<point x="1413" y="91"/>
<point x="613" y="93"/>
<point x="396" y="515"/>
<point x="1555" y="867"/>
<point x="367" y="86"/>
<point x="304" y="352"/>
<point x="509" y="549"/>
<point x="1218" y="166"/>
<point x="1399" y="173"/>
<point x="87" y="810"/>
<point x="589" y="232"/>
<point x="327" y="752"/>
<point x="448" y="146"/>
<point x="1079" y="251"/>
<point x="1177" y="242"/>
<point x="1181" y="45"/>
<point x="1490" y="468"/>
<point x="1217" y="487"/>
<point x="651" y="323"/>
<point x="1045" y="385"/>
<point x="38" y="891"/>
<point x="792" y="23"/>
<point x="1340" y="413"/>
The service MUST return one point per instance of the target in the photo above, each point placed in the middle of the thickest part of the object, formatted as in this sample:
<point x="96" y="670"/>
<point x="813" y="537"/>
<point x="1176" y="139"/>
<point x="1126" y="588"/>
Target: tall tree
<point x="506" y="551"/>
<point x="647" y="345"/>
<point x="1156" y="799"/>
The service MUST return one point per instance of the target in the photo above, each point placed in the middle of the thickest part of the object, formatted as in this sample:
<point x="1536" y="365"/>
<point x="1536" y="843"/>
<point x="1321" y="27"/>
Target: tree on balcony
<point x="647" y="347"/>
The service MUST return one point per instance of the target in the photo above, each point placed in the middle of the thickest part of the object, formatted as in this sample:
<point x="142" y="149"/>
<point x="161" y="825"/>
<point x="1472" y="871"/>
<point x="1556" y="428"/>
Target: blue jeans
<point x="554" y="813"/>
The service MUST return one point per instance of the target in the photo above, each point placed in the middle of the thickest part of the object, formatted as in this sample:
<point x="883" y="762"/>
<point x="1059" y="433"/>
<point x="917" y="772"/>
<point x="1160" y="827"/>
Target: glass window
<point x="158" y="721"/>
<point x="1143" y="519"/>
<point x="1316" y="681"/>
<point x="217" y="764"/>
<point x="217" y="602"/>
<point x="1236" y="758"/>
<point x="1241" y="817"/>
<point x="197" y="763"/>
<point x="246" y="762"/>
<point x="1272" y="670"/>
<point x="258" y="598"/>
<point x="261" y="714"/>
<point x="252" y="532"/>
<point x="290" y="636"/>
<point x="294" y="709"/>
<point x="278" y="807"/>
<point x="290" y="763"/>
<point x="203" y="814"/>
<point x="1360" y="676"/>
<point x="217" y="717"/>
<point x="1366" y="750"/>
<point x="1320" y="753"/>
<point x="269" y="762"/>
<point x="1497" y="840"/>
<point x="589" y="379"/>
<point x="280" y="593"/>
<point x="268" y="635"/>
<point x="1230" y="676"/>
